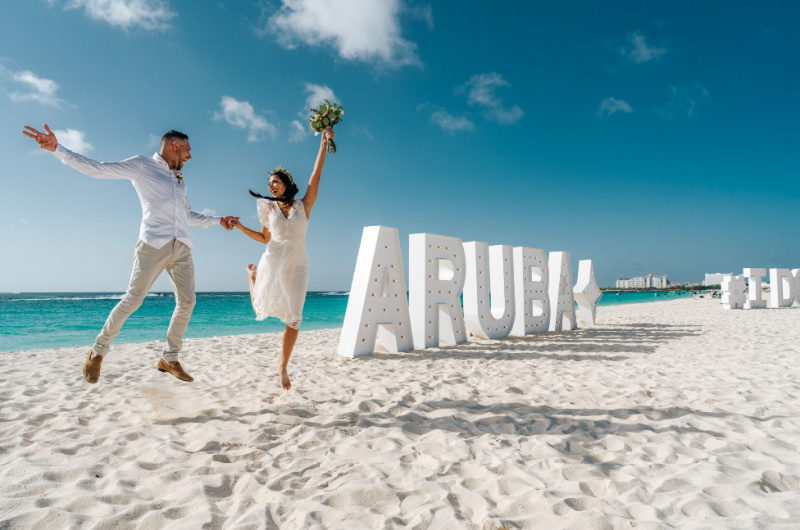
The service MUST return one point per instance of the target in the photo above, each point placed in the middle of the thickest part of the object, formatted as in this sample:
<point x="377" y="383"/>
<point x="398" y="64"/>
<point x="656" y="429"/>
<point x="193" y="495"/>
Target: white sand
<point x="667" y="414"/>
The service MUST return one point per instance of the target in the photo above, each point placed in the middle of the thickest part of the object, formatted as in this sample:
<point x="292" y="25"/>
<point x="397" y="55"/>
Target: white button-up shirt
<point x="165" y="209"/>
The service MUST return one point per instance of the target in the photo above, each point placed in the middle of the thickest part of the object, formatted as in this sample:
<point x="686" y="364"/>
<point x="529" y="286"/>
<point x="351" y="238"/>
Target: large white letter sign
<point x="796" y="274"/>
<point x="436" y="272"/>
<point x="587" y="294"/>
<point x="560" y="288"/>
<point x="732" y="291"/>
<point x="532" y="300"/>
<point x="377" y="301"/>
<point x="754" y="299"/>
<point x="489" y="318"/>
<point x="781" y="288"/>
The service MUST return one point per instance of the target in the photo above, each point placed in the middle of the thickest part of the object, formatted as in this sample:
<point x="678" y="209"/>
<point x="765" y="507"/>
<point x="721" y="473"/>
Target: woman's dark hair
<point x="288" y="182"/>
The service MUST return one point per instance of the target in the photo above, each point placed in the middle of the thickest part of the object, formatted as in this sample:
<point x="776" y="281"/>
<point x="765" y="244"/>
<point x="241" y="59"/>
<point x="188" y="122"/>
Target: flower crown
<point x="280" y="171"/>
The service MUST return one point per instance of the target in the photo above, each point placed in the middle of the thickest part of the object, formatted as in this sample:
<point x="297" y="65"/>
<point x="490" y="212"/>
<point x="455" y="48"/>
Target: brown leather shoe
<point x="163" y="366"/>
<point x="91" y="368"/>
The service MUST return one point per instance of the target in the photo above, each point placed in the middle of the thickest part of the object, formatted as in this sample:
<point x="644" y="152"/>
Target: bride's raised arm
<point x="313" y="182"/>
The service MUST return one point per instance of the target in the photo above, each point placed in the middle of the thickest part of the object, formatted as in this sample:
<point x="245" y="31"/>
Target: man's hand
<point x="228" y="222"/>
<point x="46" y="141"/>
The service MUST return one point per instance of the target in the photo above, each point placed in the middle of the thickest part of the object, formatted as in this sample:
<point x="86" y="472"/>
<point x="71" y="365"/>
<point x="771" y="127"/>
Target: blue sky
<point x="649" y="137"/>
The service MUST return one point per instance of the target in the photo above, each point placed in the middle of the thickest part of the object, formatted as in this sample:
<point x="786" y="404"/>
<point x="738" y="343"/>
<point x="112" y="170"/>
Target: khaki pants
<point x="148" y="264"/>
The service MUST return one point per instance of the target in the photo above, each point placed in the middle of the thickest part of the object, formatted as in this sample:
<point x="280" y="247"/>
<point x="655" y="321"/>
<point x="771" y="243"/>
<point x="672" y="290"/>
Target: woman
<point x="278" y="286"/>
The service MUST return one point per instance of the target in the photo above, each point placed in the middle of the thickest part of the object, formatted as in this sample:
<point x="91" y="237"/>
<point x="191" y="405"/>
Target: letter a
<point x="561" y="296"/>
<point x="377" y="301"/>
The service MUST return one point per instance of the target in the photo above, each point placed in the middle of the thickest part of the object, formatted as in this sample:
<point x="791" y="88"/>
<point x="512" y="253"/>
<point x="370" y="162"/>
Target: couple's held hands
<point x="46" y="141"/>
<point x="238" y="224"/>
<point x="262" y="237"/>
<point x="228" y="222"/>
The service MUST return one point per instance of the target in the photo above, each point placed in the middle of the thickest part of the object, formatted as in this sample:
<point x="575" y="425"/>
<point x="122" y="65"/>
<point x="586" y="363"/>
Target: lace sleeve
<point x="262" y="206"/>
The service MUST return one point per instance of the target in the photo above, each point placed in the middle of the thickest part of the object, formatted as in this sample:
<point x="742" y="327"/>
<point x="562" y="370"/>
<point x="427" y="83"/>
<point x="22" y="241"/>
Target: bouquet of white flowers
<point x="326" y="116"/>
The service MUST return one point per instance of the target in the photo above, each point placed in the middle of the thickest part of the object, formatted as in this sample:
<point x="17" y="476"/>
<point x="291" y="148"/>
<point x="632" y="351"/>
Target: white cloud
<point x="33" y="88"/>
<point x="153" y="141"/>
<point x="424" y="13"/>
<point x="610" y="105"/>
<point x="506" y="115"/>
<point x="361" y="130"/>
<point x="481" y="91"/>
<point x="151" y="15"/>
<point x="451" y="123"/>
<point x="240" y="114"/>
<point x="683" y="100"/>
<point x="317" y="93"/>
<point x="359" y="30"/>
<point x="638" y="51"/>
<point x="299" y="132"/>
<point x="208" y="211"/>
<point x="73" y="140"/>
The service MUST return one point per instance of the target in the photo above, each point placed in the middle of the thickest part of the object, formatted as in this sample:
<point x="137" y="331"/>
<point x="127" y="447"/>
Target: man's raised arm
<point x="127" y="169"/>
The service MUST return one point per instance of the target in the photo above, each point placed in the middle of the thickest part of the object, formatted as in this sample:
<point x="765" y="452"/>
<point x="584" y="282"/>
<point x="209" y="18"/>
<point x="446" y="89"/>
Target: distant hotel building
<point x="643" y="282"/>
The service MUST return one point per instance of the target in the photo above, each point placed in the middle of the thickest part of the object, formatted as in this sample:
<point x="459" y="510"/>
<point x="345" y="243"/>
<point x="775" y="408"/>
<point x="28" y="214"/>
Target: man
<point x="163" y="238"/>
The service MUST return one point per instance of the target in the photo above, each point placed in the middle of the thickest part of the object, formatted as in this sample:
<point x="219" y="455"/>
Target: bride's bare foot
<point x="251" y="272"/>
<point x="285" y="383"/>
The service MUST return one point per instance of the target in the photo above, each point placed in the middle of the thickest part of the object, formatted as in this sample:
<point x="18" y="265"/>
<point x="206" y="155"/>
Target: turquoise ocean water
<point x="30" y="321"/>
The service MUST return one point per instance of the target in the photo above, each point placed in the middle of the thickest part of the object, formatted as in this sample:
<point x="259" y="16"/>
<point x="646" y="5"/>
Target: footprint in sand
<point x="703" y="510"/>
<point x="171" y="402"/>
<point x="773" y="481"/>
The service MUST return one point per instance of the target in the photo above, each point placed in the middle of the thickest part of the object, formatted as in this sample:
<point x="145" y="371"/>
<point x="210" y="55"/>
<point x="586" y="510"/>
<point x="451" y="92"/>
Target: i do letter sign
<point x="506" y="291"/>
<point x="784" y="289"/>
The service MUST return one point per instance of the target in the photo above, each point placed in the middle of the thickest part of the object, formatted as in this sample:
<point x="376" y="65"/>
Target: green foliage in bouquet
<point x="327" y="115"/>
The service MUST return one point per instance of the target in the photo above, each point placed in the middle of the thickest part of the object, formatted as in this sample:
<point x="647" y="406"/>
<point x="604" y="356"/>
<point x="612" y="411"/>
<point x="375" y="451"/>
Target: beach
<point x="665" y="414"/>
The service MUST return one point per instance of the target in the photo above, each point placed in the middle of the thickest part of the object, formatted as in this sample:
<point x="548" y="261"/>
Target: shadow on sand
<point x="569" y="430"/>
<point x="576" y="345"/>
<point x="511" y="422"/>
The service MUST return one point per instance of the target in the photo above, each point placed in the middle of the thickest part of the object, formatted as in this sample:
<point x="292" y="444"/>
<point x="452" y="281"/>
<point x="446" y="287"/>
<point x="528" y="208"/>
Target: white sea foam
<point x="99" y="297"/>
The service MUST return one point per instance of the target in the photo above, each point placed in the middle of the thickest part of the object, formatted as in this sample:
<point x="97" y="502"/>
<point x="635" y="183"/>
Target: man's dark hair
<point x="172" y="136"/>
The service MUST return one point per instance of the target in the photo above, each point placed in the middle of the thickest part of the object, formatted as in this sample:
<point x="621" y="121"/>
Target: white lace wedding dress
<point x="282" y="274"/>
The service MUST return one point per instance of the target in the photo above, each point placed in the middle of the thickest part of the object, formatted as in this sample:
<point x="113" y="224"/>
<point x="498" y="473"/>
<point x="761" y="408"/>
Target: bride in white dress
<point x="278" y="285"/>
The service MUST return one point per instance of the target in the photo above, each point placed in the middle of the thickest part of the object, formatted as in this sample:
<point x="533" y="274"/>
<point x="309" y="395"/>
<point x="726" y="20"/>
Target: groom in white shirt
<point x="164" y="242"/>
